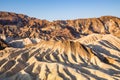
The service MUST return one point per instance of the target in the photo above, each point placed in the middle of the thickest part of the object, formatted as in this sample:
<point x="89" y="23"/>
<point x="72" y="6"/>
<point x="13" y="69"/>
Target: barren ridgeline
<point x="81" y="49"/>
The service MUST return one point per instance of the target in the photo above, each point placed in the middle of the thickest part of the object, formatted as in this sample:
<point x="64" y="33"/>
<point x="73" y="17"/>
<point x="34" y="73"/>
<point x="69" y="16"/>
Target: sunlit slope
<point x="63" y="60"/>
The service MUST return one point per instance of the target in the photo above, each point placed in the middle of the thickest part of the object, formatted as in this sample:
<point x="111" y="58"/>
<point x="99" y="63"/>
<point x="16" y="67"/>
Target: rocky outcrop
<point x="22" y="26"/>
<point x="3" y="44"/>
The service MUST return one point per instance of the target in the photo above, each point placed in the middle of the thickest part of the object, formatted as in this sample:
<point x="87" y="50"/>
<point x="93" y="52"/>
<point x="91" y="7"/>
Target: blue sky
<point x="62" y="9"/>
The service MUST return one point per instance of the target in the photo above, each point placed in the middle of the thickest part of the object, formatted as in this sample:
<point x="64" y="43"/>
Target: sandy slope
<point x="95" y="57"/>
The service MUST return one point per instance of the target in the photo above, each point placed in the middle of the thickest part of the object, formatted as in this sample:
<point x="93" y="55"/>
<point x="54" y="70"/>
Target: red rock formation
<point x="22" y="26"/>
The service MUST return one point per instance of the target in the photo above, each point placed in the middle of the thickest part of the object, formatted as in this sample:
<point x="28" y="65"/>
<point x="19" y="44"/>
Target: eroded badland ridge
<point x="19" y="25"/>
<point x="81" y="49"/>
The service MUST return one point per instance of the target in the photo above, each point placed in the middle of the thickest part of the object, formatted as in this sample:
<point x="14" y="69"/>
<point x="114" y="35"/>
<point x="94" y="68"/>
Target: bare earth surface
<point x="81" y="49"/>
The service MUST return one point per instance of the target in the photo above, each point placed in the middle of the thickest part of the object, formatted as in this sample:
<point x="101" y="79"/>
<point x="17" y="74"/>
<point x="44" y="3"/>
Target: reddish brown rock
<point x="22" y="26"/>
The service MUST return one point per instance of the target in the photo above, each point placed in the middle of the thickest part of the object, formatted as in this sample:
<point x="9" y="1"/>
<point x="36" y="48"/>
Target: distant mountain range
<point x="21" y="26"/>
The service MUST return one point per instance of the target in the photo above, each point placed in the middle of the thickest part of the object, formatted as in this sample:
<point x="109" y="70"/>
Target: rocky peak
<point x="25" y="26"/>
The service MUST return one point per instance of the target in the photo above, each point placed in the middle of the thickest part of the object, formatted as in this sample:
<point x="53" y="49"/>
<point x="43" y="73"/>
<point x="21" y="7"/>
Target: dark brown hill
<point x="22" y="26"/>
